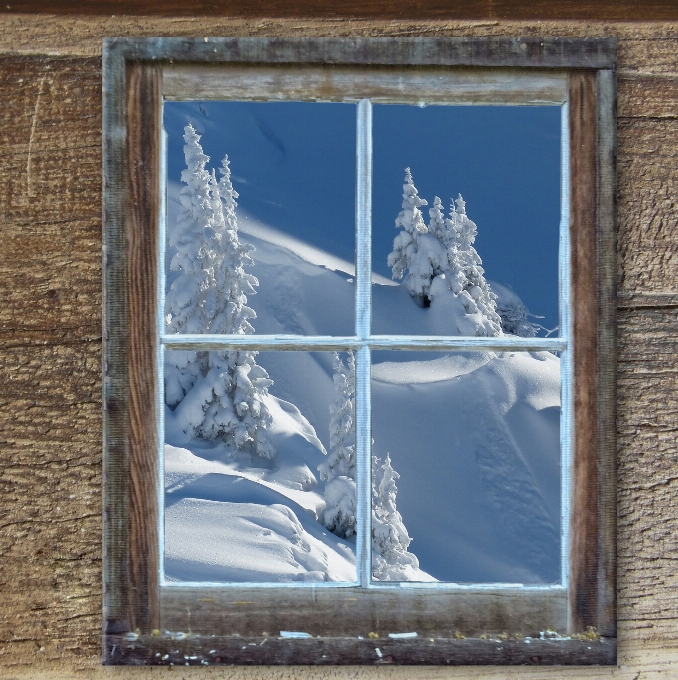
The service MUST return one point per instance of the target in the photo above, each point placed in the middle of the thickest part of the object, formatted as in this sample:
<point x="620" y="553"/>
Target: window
<point x="566" y="613"/>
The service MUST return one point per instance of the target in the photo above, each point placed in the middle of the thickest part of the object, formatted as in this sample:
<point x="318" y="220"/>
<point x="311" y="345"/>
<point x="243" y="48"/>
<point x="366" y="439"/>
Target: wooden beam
<point x="493" y="650"/>
<point x="353" y="611"/>
<point x="505" y="53"/>
<point x="583" y="585"/>
<point x="141" y="229"/>
<point x="607" y="350"/>
<point x="604" y="10"/>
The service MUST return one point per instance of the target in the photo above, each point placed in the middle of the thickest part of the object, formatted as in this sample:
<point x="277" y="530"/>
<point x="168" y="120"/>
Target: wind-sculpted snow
<point x="226" y="520"/>
<point x="434" y="370"/>
<point x="478" y="457"/>
<point x="251" y="542"/>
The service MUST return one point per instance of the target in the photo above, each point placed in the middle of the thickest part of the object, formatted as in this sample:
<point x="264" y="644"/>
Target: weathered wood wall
<point x="50" y="339"/>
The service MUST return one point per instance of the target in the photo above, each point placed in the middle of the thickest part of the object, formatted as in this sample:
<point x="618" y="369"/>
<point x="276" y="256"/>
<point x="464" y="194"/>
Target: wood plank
<point x="584" y="523"/>
<point x="648" y="479"/>
<point x="144" y="127"/>
<point x="324" y="651"/>
<point x="606" y="10"/>
<point x="115" y="384"/>
<point x="518" y="52"/>
<point x="648" y="96"/>
<point x="606" y="266"/>
<point x="645" y="55"/>
<point x="50" y="500"/>
<point x="62" y="289"/>
<point x="461" y="86"/>
<point x="645" y="47"/>
<point x="49" y="110"/>
<point x="647" y="215"/>
<point x="640" y="95"/>
<point x="663" y="301"/>
<point x="46" y="216"/>
<point x="353" y="611"/>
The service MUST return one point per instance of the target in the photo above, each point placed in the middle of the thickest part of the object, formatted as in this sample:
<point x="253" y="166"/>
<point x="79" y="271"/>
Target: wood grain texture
<point x="647" y="214"/>
<point x="606" y="340"/>
<point x="323" y="83"/>
<point x="349" y="613"/>
<point x="645" y="48"/>
<point x="462" y="51"/>
<point x="50" y="421"/>
<point x="584" y="521"/>
<point x="610" y="10"/>
<point x="165" y="650"/>
<point x="647" y="481"/>
<point x="648" y="96"/>
<point x="143" y="127"/>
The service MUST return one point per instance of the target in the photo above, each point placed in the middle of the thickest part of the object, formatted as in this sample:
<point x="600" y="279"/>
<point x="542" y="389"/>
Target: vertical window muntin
<point x="363" y="342"/>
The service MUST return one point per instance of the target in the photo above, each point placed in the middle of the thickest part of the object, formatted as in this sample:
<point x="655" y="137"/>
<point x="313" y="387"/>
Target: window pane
<point x="259" y="481"/>
<point x="292" y="166"/>
<point x="468" y="467"/>
<point x="438" y="271"/>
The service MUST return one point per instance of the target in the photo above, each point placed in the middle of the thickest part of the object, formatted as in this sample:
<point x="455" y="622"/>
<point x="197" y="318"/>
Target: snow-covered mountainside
<point x="473" y="436"/>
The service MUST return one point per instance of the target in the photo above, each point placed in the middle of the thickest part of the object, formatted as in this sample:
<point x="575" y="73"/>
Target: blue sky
<point x="293" y="165"/>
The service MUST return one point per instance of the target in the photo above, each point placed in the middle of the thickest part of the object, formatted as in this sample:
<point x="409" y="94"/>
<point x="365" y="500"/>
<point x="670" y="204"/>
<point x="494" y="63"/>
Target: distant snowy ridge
<point x="429" y="371"/>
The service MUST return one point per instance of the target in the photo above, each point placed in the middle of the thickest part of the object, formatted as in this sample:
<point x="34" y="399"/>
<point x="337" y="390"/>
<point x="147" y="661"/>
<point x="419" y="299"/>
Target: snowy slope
<point x="474" y="437"/>
<point x="227" y="519"/>
<point x="478" y="451"/>
<point x="251" y="541"/>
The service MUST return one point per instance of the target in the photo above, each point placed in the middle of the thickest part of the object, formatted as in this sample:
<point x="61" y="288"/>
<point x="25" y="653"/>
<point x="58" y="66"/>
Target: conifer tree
<point x="227" y="398"/>
<point x="437" y="226"/>
<point x="390" y="559"/>
<point x="411" y="250"/>
<point x="476" y="295"/>
<point x="339" y="469"/>
<point x="515" y="318"/>
<point x="184" y="311"/>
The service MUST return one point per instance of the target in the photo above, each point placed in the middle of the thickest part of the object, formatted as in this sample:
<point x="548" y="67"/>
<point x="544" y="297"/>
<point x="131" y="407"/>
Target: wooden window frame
<point x="146" y="622"/>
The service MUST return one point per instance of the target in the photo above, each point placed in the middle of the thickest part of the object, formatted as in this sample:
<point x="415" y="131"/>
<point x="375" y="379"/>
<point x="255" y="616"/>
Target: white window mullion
<point x="363" y="318"/>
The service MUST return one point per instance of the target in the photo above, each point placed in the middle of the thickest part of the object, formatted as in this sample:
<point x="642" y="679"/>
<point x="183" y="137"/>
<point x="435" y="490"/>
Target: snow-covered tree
<point x="515" y="316"/>
<point x="441" y="257"/>
<point x="514" y="320"/>
<point x="184" y="302"/>
<point x="229" y="404"/>
<point x="476" y="294"/>
<point x="223" y="391"/>
<point x="462" y="272"/>
<point x="390" y="559"/>
<point x="184" y="313"/>
<point x="437" y="225"/>
<point x="339" y="468"/>
<point x="414" y="250"/>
